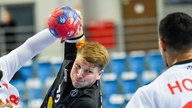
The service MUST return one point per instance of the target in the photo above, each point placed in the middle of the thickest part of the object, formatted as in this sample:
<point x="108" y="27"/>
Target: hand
<point x="80" y="31"/>
<point x="8" y="104"/>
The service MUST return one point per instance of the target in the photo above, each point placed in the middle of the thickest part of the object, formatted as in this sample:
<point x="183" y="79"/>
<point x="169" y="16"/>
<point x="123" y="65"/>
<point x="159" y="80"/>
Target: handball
<point x="63" y="22"/>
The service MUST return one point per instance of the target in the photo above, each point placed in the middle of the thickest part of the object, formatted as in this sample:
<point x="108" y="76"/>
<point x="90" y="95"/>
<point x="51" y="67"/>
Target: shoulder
<point x="141" y="99"/>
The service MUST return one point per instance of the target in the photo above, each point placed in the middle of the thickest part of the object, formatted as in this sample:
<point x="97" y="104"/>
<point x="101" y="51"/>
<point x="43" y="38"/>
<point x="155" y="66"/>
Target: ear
<point x="162" y="44"/>
<point x="100" y="74"/>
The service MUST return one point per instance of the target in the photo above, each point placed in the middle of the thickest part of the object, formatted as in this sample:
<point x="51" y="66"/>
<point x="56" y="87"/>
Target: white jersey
<point x="13" y="61"/>
<point x="172" y="89"/>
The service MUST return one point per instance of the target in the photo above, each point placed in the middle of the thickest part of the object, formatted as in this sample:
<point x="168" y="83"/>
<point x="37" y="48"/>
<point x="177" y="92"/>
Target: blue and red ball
<point x="63" y="22"/>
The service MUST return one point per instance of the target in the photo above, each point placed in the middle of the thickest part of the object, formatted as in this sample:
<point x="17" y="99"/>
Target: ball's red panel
<point x="63" y="22"/>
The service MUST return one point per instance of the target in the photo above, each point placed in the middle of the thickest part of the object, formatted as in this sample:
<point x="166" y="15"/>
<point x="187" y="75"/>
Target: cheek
<point x="90" y="78"/>
<point x="94" y="77"/>
<point x="72" y="71"/>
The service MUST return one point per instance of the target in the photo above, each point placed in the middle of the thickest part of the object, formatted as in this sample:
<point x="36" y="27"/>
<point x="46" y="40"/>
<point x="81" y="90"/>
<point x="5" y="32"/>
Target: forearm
<point x="34" y="45"/>
<point x="72" y="45"/>
<point x="18" y="57"/>
<point x="37" y="43"/>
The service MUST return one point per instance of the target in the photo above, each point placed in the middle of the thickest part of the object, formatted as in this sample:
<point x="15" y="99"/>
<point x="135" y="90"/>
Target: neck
<point x="180" y="57"/>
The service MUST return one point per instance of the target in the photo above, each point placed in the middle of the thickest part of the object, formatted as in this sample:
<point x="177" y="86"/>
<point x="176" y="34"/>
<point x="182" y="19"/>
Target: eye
<point x="88" y="71"/>
<point x="77" y="66"/>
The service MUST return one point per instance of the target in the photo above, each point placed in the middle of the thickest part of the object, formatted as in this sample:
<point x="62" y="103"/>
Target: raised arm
<point x="13" y="61"/>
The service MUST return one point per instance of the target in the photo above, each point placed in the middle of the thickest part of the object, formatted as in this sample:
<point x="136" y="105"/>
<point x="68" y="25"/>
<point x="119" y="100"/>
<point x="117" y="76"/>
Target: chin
<point x="76" y="86"/>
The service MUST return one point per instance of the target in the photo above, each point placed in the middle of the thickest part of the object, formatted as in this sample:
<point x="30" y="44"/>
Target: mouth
<point x="78" y="81"/>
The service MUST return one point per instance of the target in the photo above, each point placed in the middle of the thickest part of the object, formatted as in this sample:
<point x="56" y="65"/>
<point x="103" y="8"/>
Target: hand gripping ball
<point x="63" y="22"/>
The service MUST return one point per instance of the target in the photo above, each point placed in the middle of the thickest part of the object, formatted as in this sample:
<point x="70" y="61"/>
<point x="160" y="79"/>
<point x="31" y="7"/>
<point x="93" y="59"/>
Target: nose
<point x="80" y="73"/>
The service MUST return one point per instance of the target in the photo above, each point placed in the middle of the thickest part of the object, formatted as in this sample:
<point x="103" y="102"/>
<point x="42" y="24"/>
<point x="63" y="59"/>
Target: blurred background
<point x="128" y="28"/>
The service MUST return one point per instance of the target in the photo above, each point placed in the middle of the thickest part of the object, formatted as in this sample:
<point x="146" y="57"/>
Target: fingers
<point x="80" y="31"/>
<point x="80" y="16"/>
<point x="8" y="104"/>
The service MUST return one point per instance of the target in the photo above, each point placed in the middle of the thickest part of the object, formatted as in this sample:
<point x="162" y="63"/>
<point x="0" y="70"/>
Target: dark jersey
<point x="63" y="95"/>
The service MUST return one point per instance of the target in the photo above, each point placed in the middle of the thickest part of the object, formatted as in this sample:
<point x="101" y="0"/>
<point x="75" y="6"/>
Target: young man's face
<point x="82" y="74"/>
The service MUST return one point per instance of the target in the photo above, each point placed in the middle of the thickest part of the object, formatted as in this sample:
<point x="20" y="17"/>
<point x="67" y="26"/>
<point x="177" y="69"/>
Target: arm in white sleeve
<point x="12" y="62"/>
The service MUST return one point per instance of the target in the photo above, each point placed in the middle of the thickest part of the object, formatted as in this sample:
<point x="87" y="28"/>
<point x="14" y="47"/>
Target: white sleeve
<point x="139" y="100"/>
<point x="13" y="61"/>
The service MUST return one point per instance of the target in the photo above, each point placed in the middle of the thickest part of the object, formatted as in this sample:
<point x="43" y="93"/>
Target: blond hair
<point x="95" y="54"/>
